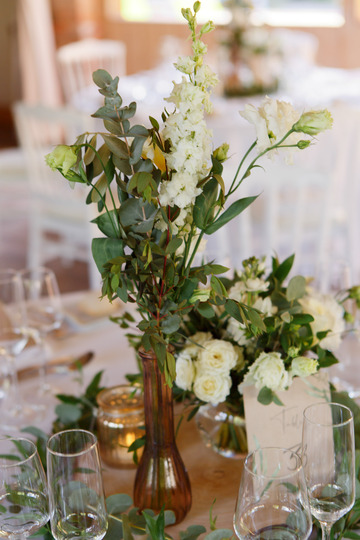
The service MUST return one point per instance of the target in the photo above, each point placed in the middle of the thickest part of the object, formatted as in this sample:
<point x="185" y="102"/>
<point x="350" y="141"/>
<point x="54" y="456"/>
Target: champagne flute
<point x="44" y="312"/>
<point x="76" y="496"/>
<point x="328" y="451"/>
<point x="272" y="501"/>
<point x="23" y="491"/>
<point x="13" y="338"/>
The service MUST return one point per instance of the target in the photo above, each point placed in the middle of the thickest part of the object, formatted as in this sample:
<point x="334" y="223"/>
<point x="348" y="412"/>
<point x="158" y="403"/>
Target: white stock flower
<point x="267" y="370"/>
<point x="212" y="387"/>
<point x="185" y="64"/>
<point x="237" y="291"/>
<point x="218" y="356"/>
<point x="185" y="371"/>
<point x="301" y="366"/>
<point x="265" y="306"/>
<point x="181" y="191"/>
<point x="328" y="315"/>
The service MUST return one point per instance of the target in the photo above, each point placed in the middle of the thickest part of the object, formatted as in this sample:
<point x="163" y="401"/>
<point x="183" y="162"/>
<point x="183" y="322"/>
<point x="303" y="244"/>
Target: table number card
<point x="281" y="426"/>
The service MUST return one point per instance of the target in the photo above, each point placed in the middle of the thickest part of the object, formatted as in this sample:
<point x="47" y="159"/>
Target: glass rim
<point x="72" y="454"/>
<point x="8" y="274"/>
<point x="328" y="424"/>
<point x="32" y="269"/>
<point x="25" y="459"/>
<point x="296" y="470"/>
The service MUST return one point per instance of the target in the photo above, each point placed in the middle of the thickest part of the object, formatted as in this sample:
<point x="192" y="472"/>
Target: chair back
<point x="60" y="221"/>
<point x="78" y="60"/>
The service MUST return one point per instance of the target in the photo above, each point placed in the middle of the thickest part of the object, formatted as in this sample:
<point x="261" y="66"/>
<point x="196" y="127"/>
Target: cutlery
<point x="60" y="365"/>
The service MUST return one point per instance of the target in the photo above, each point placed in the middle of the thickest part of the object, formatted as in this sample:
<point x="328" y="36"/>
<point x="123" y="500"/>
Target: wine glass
<point x="44" y="311"/>
<point x="272" y="501"/>
<point x="328" y="452"/>
<point x="76" y="496"/>
<point x="13" y="338"/>
<point x="23" y="491"/>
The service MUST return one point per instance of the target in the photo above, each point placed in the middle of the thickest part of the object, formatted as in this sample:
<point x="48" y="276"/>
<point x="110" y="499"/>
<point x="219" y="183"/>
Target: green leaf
<point x="256" y="319"/>
<point x="265" y="396"/>
<point x="192" y="533"/>
<point x="116" y="146"/>
<point x="173" y="245"/>
<point x="171" y="324"/>
<point x="108" y="224"/>
<point x="117" y="504"/>
<point x="205" y="203"/>
<point x="219" y="534"/>
<point x="206" y="310"/>
<point x="232" y="308"/>
<point x="106" y="249"/>
<point x="296" y="288"/>
<point x="234" y="210"/>
<point x="282" y="271"/>
<point x="68" y="413"/>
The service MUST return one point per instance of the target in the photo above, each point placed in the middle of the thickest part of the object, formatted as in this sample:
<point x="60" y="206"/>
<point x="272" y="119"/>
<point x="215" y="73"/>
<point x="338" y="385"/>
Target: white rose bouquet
<point x="302" y="330"/>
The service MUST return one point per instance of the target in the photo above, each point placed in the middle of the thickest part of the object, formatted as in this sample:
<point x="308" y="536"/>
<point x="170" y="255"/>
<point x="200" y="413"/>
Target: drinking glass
<point x="44" y="310"/>
<point x="272" y="501"/>
<point x="328" y="453"/>
<point x="23" y="491"/>
<point x="13" y="338"/>
<point x="77" y="504"/>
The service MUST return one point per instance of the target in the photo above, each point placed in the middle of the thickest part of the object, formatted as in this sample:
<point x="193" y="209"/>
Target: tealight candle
<point x="120" y="421"/>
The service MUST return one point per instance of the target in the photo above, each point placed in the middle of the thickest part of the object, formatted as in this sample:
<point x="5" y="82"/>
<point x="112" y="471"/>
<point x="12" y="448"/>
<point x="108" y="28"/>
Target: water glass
<point x="328" y="452"/>
<point x="76" y="496"/>
<point x="272" y="501"/>
<point x="23" y="491"/>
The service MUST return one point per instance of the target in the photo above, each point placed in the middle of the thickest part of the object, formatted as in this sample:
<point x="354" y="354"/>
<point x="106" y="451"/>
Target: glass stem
<point x="14" y="385"/>
<point x="325" y="530"/>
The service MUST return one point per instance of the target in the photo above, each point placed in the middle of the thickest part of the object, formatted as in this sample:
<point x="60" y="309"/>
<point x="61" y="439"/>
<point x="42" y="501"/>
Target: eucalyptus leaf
<point x="68" y="413"/>
<point x="106" y="249"/>
<point x="117" y="504"/>
<point x="296" y="288"/>
<point x="219" y="534"/>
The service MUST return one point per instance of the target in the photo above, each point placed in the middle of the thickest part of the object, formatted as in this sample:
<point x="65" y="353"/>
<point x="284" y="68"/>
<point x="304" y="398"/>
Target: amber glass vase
<point x="161" y="478"/>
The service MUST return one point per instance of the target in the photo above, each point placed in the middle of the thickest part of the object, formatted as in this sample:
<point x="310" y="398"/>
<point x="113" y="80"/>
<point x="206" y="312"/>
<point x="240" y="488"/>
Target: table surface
<point x="212" y="476"/>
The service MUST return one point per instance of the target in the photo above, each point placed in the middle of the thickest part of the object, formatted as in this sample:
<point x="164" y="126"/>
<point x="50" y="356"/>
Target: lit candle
<point x="120" y="421"/>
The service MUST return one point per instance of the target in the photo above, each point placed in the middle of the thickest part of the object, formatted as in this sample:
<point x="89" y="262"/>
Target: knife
<point x="60" y="365"/>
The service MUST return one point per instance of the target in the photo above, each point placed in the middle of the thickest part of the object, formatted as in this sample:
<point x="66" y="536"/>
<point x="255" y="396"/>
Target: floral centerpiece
<point x="251" y="56"/>
<point x="303" y="330"/>
<point x="159" y="192"/>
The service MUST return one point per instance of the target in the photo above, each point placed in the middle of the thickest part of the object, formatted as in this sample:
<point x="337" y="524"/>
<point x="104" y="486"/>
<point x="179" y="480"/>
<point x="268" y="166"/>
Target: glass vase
<point x="222" y="430"/>
<point x="161" y="478"/>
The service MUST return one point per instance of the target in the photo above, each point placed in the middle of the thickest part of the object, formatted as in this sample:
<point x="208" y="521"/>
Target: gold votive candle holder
<point x="120" y="421"/>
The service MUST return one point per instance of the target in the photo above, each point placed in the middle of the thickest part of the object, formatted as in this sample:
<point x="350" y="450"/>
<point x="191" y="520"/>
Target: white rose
<point x="197" y="341"/>
<point x="301" y="366"/>
<point x="185" y="371"/>
<point x="328" y="315"/>
<point x="217" y="356"/>
<point x="267" y="370"/>
<point x="212" y="387"/>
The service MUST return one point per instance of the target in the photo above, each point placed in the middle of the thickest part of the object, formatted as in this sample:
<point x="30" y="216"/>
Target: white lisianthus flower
<point x="212" y="387"/>
<point x="62" y="157"/>
<point x="328" y="315"/>
<point x="267" y="370"/>
<point x="217" y="356"/>
<point x="256" y="285"/>
<point x="301" y="366"/>
<point x="237" y="331"/>
<point x="313" y="122"/>
<point x="272" y="120"/>
<point x="185" y="371"/>
<point x="265" y="306"/>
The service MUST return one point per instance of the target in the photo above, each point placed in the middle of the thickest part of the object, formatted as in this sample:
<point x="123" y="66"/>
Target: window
<point x="308" y="13"/>
<point x="273" y="12"/>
